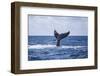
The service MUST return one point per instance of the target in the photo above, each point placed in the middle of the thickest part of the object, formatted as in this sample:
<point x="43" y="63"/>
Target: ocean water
<point x="44" y="48"/>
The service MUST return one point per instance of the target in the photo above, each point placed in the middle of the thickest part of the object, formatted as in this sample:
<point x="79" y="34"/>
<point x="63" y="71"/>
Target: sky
<point x="40" y="25"/>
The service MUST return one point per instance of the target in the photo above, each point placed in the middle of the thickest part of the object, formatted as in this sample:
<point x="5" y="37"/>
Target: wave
<point x="40" y="46"/>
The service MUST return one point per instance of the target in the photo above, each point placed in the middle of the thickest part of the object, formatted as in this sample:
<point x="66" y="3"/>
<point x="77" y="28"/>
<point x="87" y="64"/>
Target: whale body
<point x="61" y="36"/>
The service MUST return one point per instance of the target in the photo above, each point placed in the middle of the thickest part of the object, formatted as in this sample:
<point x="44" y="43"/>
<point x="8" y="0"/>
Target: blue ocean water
<point x="44" y="48"/>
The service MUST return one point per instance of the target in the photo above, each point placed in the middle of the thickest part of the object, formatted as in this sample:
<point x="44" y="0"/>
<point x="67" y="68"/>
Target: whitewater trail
<point x="40" y="46"/>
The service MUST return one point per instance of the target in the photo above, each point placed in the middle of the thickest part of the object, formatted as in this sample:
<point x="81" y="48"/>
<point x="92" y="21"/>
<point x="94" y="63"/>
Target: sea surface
<point x="44" y="48"/>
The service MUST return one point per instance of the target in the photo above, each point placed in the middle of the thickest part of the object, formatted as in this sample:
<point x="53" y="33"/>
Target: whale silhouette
<point x="59" y="37"/>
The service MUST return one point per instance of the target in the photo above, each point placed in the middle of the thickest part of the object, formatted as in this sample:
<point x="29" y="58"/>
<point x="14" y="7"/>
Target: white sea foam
<point x="52" y="46"/>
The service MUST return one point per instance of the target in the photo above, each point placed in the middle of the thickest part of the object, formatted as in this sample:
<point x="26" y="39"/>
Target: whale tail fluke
<point x="59" y="37"/>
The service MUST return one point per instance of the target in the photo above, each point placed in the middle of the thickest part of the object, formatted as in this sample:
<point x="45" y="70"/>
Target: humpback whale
<point x="59" y="37"/>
